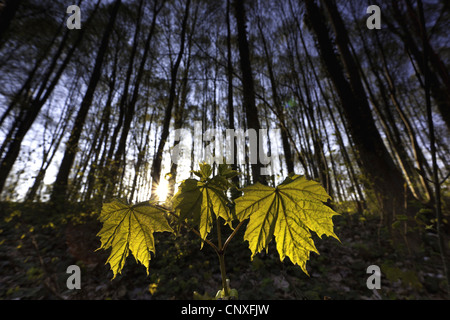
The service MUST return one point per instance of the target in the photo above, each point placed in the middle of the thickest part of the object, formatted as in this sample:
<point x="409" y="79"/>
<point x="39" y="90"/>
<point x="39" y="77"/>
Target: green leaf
<point x="205" y="171"/>
<point x="215" y="201"/>
<point x="289" y="212"/>
<point x="226" y="171"/>
<point x="187" y="201"/>
<point x="130" y="229"/>
<point x="202" y="201"/>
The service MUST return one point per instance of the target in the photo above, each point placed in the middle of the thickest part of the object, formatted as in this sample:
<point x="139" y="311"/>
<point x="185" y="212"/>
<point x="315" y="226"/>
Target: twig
<point x="445" y="178"/>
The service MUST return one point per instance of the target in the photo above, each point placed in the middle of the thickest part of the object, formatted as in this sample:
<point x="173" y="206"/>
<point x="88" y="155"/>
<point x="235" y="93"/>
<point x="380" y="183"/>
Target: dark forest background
<point x="88" y="115"/>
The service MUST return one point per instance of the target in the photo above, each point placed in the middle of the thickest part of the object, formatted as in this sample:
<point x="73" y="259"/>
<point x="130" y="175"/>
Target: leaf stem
<point x="225" y="245"/>
<point x="223" y="273"/>
<point x="221" y="255"/>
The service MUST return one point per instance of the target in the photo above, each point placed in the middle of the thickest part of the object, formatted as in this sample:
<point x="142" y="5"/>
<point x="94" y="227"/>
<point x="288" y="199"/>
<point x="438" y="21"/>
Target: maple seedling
<point x="288" y="212"/>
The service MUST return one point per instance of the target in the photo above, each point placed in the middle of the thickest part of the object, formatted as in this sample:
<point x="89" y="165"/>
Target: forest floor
<point x="36" y="249"/>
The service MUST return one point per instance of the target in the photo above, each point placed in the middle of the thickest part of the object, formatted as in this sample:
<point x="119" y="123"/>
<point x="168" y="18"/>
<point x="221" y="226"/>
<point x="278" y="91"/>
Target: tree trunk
<point x="61" y="182"/>
<point x="130" y="106"/>
<point x="157" y="160"/>
<point x="440" y="93"/>
<point x="288" y="156"/>
<point x="7" y="14"/>
<point x="49" y="154"/>
<point x="377" y="165"/>
<point x="435" y="178"/>
<point x="419" y="158"/>
<point x="249" y="104"/>
<point x="30" y="110"/>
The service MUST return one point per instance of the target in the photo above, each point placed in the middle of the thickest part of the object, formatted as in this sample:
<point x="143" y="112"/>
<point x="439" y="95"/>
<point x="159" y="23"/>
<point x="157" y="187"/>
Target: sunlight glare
<point x="162" y="190"/>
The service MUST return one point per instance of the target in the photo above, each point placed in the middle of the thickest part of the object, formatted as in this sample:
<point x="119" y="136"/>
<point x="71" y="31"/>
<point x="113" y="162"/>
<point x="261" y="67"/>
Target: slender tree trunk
<point x="251" y="112"/>
<point x="24" y="95"/>
<point x="432" y="57"/>
<point x="385" y="116"/>
<point x="360" y="200"/>
<point x="57" y="137"/>
<point x="419" y="158"/>
<point x="31" y="109"/>
<point x="178" y="123"/>
<point x="180" y="105"/>
<point x="131" y="105"/>
<point x="230" y="107"/>
<point x="318" y="163"/>
<point x="98" y="162"/>
<point x="157" y="160"/>
<point x="440" y="93"/>
<point x="277" y="103"/>
<point x="61" y="182"/>
<point x="142" y="151"/>
<point x="436" y="182"/>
